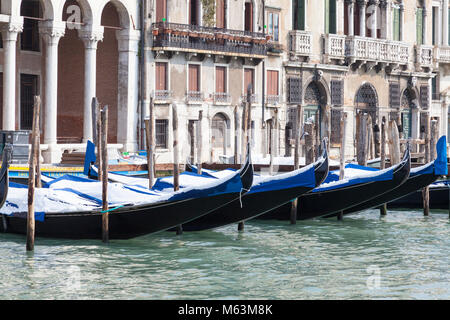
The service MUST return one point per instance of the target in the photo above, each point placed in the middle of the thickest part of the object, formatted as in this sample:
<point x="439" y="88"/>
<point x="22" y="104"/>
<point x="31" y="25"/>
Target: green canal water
<point x="401" y="256"/>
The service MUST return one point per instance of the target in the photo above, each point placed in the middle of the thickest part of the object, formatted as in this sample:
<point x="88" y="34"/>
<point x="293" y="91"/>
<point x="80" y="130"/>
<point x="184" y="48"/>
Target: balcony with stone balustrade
<point x="300" y="45"/>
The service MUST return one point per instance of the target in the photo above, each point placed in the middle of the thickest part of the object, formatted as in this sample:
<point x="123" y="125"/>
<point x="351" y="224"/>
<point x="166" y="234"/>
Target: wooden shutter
<point x="394" y="95"/>
<point x="248" y="16"/>
<point x="248" y="79"/>
<point x="295" y="90"/>
<point x="161" y="10"/>
<point x="161" y="76"/>
<point x="327" y="16"/>
<point x="194" y="77"/>
<point x="221" y="80"/>
<point x="272" y="82"/>
<point x="220" y="13"/>
<point x="419" y="26"/>
<point x="356" y="19"/>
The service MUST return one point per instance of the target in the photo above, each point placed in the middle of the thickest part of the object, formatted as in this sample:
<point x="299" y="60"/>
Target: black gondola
<point x="259" y="201"/>
<point x="439" y="198"/>
<point x="132" y="221"/>
<point x="326" y="200"/>
<point x="418" y="178"/>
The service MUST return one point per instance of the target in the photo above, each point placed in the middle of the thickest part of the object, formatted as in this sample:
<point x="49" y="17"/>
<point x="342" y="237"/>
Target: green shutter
<point x="419" y="26"/>
<point x="299" y="14"/>
<point x="448" y="40"/>
<point x="332" y="17"/>
<point x="396" y="24"/>
<point x="327" y="16"/>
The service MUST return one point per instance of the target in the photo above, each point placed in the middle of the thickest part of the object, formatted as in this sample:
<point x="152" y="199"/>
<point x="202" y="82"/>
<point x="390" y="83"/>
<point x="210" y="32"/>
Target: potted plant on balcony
<point x="155" y="32"/>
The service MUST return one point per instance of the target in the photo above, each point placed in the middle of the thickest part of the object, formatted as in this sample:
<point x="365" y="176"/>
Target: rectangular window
<point x="161" y="76"/>
<point x="249" y="79"/>
<point x="161" y="133"/>
<point x="419" y="26"/>
<point x="28" y="89"/>
<point x="220" y="13"/>
<point x="221" y="80"/>
<point x="299" y="14"/>
<point x="330" y="16"/>
<point x="396" y="24"/>
<point x="29" y="38"/>
<point x="194" y="78"/>
<point x="272" y="83"/>
<point x="161" y="10"/>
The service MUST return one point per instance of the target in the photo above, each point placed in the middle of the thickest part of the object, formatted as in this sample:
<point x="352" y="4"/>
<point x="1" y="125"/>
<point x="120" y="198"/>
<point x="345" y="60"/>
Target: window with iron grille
<point x="295" y="90"/>
<point x="336" y="116"/>
<point x="424" y="92"/>
<point x="337" y="92"/>
<point x="394" y="94"/>
<point x="161" y="134"/>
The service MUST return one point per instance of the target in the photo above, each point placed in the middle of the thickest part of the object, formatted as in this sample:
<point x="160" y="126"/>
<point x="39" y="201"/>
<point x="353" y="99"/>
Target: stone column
<point x="9" y="36"/>
<point x="445" y="23"/>
<point x="373" y="6"/>
<point x="51" y="33"/>
<point x="351" y="17"/>
<point x="362" y="17"/>
<point x="128" y="88"/>
<point x="90" y="37"/>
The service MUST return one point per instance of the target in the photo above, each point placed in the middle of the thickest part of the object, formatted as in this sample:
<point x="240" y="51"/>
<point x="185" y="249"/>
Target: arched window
<point x="408" y="102"/>
<point x="367" y="100"/>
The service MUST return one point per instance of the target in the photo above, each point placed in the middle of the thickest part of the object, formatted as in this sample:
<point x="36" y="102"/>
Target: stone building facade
<point x="388" y="58"/>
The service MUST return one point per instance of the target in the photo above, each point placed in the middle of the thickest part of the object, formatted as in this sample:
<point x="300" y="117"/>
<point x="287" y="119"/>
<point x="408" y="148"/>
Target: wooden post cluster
<point x="362" y="139"/>
<point x="309" y="142"/>
<point x="297" y="136"/>
<point x="176" y="161"/>
<point x="98" y="125"/>
<point x="394" y="143"/>
<point x="32" y="174"/>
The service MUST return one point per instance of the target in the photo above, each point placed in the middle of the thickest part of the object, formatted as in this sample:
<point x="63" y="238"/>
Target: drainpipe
<point x="263" y="67"/>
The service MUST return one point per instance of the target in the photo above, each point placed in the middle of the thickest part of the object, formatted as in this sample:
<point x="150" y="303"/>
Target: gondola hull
<point x="326" y="202"/>
<point x="439" y="199"/>
<point x="410" y="185"/>
<point x="124" y="223"/>
<point x="252" y="205"/>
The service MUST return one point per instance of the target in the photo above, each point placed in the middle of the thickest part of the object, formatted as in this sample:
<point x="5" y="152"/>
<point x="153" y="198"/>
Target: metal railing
<point x="221" y="97"/>
<point x="162" y="94"/>
<point x="194" y="96"/>
<point x="187" y="36"/>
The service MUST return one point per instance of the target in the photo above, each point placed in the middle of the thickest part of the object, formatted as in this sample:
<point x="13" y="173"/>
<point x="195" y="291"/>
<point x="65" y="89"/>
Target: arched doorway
<point x="219" y="133"/>
<point x="70" y="82"/>
<point x="312" y="103"/>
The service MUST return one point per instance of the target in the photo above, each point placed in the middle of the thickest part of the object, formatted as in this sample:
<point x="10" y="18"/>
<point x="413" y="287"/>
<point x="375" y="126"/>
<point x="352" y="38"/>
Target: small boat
<point x="335" y="196"/>
<point x="439" y="198"/>
<point x="155" y="211"/>
<point x="266" y="194"/>
<point x="419" y="178"/>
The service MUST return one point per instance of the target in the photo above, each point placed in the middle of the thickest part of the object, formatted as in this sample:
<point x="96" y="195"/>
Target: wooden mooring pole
<point x="176" y="161"/>
<point x="199" y="142"/>
<point x="236" y="135"/>
<point x="104" y="161"/>
<point x="297" y="135"/>
<point x="32" y="175"/>
<point x="246" y="123"/>
<point x="99" y="142"/>
<point x="150" y="142"/>
<point x="343" y="128"/>
<point x="383" y="207"/>
<point x="426" y="190"/>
